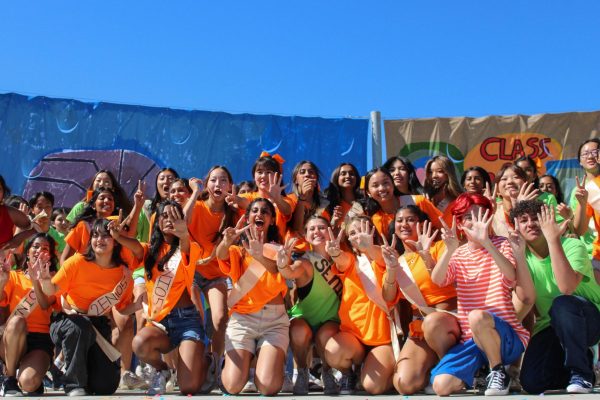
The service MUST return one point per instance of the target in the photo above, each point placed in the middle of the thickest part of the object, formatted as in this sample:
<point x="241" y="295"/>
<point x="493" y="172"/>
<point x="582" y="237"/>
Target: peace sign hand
<point x="332" y="246"/>
<point x="116" y="227"/>
<point x="284" y="253"/>
<point x="424" y="236"/>
<point x="231" y="235"/>
<point x="41" y="268"/>
<point x="5" y="268"/>
<point x="491" y="195"/>
<point x="581" y="193"/>
<point x="449" y="235"/>
<point x="389" y="253"/>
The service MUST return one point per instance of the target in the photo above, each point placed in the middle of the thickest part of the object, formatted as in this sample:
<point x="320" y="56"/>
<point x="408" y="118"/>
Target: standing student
<point x="258" y="323"/>
<point x="404" y="174"/>
<point x="567" y="302"/>
<point x="92" y="284"/>
<point x="485" y="275"/>
<point x="363" y="349"/>
<point x="441" y="184"/>
<point x="343" y="192"/>
<point x="172" y="319"/>
<point x="26" y="343"/>
<point x="314" y="317"/>
<point x="439" y="331"/>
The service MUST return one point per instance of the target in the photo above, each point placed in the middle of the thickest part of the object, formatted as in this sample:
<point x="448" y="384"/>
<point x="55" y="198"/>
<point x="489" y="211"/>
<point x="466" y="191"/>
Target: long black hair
<point x="119" y="194"/>
<point x="89" y="213"/>
<point x="372" y="206"/>
<point x="51" y="248"/>
<point x="158" y="239"/>
<point x="414" y="185"/>
<point x="272" y="231"/>
<point x="100" y="227"/>
<point x="333" y="191"/>
<point x="229" y="213"/>
<point x="157" y="199"/>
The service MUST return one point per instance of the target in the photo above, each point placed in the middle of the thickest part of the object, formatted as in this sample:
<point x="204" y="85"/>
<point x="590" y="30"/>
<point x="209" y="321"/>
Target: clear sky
<point x="314" y="58"/>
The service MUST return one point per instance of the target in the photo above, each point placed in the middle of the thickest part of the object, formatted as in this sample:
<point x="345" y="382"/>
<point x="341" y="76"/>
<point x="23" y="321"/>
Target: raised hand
<point x="527" y="192"/>
<point x="275" y="187"/>
<point x="196" y="184"/>
<point x="389" y="253"/>
<point x="548" y="225"/>
<point x="337" y="217"/>
<point x="363" y="239"/>
<point x="480" y="226"/>
<point x="491" y="195"/>
<point x="284" y="253"/>
<point x="581" y="193"/>
<point x="40" y="269"/>
<point x="516" y="241"/>
<point x="333" y="245"/>
<point x="449" y="235"/>
<point x="254" y="244"/>
<point x="116" y="227"/>
<point x="425" y="237"/>
<point x="179" y="228"/>
<point x="231" y="235"/>
<point x="564" y="211"/>
<point x="139" y="197"/>
<point x="5" y="269"/>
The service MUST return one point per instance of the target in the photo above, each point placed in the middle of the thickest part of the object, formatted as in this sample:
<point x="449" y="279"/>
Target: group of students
<point x="390" y="283"/>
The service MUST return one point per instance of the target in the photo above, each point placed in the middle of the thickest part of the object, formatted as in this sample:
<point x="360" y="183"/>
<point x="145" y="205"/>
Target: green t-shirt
<point x="545" y="283"/>
<point x="59" y="238"/>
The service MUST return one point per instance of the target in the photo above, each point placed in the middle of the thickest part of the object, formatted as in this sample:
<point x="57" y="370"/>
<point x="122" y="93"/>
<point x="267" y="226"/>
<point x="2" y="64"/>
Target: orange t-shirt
<point x="280" y="219"/>
<point x="203" y="228"/>
<point x="16" y="288"/>
<point x="382" y="220"/>
<point x="432" y="293"/>
<point x="269" y="286"/>
<point x="78" y="238"/>
<point x="83" y="281"/>
<point x="184" y="277"/>
<point x="358" y="314"/>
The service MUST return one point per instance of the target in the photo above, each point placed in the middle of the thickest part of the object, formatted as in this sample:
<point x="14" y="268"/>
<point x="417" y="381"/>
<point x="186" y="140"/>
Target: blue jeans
<point x="184" y="324"/>
<point x="561" y="350"/>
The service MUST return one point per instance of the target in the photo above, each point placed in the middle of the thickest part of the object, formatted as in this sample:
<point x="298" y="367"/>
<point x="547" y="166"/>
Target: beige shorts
<point x="249" y="332"/>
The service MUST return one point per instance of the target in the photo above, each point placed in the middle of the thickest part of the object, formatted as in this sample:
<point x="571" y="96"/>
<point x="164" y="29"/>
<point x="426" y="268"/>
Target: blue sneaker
<point x="579" y="385"/>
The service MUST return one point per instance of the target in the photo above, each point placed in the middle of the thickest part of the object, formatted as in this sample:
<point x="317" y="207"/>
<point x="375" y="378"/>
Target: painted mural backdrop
<point x="58" y="144"/>
<point x="551" y="139"/>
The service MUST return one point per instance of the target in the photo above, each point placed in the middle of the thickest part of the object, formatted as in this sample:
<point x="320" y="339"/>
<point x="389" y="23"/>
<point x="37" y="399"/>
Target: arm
<point x="188" y="209"/>
<point x="389" y="288"/>
<point x="438" y="275"/>
<point x="275" y="190"/>
<point x="524" y="289"/>
<point x="44" y="301"/>
<point x="20" y="219"/>
<point x="581" y="219"/>
<point x="230" y="235"/>
<point x="67" y="252"/>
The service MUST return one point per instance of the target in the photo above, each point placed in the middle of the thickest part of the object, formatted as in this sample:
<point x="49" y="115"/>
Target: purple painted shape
<point x="67" y="175"/>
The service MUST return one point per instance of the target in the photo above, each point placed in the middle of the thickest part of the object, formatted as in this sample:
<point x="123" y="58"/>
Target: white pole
<point x="376" y="142"/>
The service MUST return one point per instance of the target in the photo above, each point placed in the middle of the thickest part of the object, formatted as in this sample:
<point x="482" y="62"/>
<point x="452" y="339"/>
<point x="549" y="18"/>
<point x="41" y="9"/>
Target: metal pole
<point x="376" y="142"/>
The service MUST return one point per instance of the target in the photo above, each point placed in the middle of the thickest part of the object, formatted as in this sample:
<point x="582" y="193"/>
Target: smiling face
<point x="399" y="172"/>
<point x="104" y="204"/>
<point x="380" y="187"/>
<point x="474" y="182"/>
<point x="510" y="183"/>
<point x="439" y="177"/>
<point x="316" y="231"/>
<point x="42" y="204"/>
<point x="588" y="156"/>
<point x="179" y="193"/>
<point x="38" y="247"/>
<point x="347" y="177"/>
<point x="102" y="243"/>
<point x="218" y="184"/>
<point x="405" y="225"/>
<point x="547" y="185"/>
<point x="102" y="180"/>
<point x="261" y="177"/>
<point x="529" y="227"/>
<point x="260" y="215"/>
<point x="61" y="223"/>
<point x="163" y="183"/>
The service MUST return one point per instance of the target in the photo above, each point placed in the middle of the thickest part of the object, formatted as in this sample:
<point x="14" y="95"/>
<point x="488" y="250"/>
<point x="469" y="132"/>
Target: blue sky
<point x="312" y="58"/>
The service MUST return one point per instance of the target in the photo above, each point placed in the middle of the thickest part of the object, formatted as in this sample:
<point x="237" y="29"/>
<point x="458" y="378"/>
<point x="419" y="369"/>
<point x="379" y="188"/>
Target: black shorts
<point x="40" y="341"/>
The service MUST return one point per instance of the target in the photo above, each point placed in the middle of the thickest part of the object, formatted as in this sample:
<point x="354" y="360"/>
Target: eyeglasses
<point x="591" y="153"/>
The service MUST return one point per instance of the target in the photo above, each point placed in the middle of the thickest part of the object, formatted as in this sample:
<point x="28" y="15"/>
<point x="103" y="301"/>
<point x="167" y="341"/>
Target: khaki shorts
<point x="270" y="325"/>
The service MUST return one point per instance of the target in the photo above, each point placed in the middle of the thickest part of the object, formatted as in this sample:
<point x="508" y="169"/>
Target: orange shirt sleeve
<point x="432" y="212"/>
<point x="78" y="237"/>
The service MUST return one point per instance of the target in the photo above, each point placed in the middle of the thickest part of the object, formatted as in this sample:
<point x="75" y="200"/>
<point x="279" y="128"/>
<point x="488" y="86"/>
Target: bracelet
<point x="282" y="268"/>
<point x="385" y="282"/>
<point x="337" y="255"/>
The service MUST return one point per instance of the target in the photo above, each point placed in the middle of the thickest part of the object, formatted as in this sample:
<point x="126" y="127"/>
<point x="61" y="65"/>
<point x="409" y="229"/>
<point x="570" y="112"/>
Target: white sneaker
<point x="498" y="383"/>
<point x="250" y="387"/>
<point x="130" y="381"/>
<point x="172" y="381"/>
<point x="579" y="385"/>
<point x="158" y="384"/>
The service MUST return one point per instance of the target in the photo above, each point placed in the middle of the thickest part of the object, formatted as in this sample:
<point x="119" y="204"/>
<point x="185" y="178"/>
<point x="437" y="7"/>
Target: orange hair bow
<point x="275" y="157"/>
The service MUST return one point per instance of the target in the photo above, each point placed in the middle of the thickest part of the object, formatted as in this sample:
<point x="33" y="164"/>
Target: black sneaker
<point x="348" y="383"/>
<point x="38" y="392"/>
<point x="10" y="387"/>
<point x="498" y="383"/>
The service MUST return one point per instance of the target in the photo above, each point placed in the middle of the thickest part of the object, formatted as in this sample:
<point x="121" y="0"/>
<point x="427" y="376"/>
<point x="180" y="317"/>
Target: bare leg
<point x="122" y="336"/>
<point x="235" y="371"/>
<point x="485" y="335"/>
<point x="412" y="372"/>
<point x="149" y="344"/>
<point x="441" y="331"/>
<point x="139" y="290"/>
<point x="446" y="384"/>
<point x="32" y="369"/>
<point x="300" y="341"/>
<point x="217" y="298"/>
<point x="268" y="377"/>
<point x="378" y="369"/>
<point x="191" y="368"/>
<point x="15" y="342"/>
<point x="325" y="332"/>
<point x="344" y="350"/>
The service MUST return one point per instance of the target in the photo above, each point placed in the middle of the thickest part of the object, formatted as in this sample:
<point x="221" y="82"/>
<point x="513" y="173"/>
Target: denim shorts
<point x="204" y="284"/>
<point x="184" y="324"/>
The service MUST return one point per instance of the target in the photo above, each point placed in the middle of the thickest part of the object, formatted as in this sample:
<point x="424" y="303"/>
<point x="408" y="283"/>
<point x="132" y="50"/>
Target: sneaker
<point x="314" y="383"/>
<point x="348" y="383"/>
<point x="288" y="384"/>
<point x="130" y="381"/>
<point x="10" y="387"/>
<point x="37" y="392"/>
<point x="250" y="387"/>
<point x="301" y="385"/>
<point x="579" y="385"/>
<point x="498" y="383"/>
<point x="429" y="389"/>
<point x="330" y="386"/>
<point x="77" y="392"/>
<point x="211" y="374"/>
<point x="158" y="384"/>
<point x="171" y="381"/>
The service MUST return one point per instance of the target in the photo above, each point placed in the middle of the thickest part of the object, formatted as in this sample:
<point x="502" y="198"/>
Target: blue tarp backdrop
<point x="46" y="143"/>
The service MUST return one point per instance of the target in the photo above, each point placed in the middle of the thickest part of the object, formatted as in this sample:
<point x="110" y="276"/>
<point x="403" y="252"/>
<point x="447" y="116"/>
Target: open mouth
<point x="218" y="192"/>
<point x="259" y="223"/>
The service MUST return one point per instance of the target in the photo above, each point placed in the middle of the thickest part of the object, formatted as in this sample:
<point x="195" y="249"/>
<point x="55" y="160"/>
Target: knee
<point x="139" y="345"/>
<point x="269" y="389"/>
<point x="189" y="387"/>
<point x="530" y="384"/>
<point x="15" y="326"/>
<point x="29" y="380"/>
<point x="562" y="307"/>
<point x="479" y="319"/>
<point x="439" y="322"/>
<point x="373" y="387"/>
<point x="408" y="385"/>
<point x="300" y="336"/>
<point x="219" y="320"/>
<point x="333" y="353"/>
<point x="445" y="385"/>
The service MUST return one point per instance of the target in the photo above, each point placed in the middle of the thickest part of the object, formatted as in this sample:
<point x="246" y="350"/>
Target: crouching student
<point x="258" y="324"/>
<point x="173" y="320"/>
<point x="26" y="343"/>
<point x="91" y="285"/>
<point x="568" y="299"/>
<point x="484" y="273"/>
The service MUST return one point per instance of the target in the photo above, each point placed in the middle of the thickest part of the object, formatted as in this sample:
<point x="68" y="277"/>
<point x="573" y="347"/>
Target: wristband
<point x="337" y="255"/>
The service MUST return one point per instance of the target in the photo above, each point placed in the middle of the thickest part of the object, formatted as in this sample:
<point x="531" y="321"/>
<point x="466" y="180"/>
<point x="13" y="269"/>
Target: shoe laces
<point x="495" y="379"/>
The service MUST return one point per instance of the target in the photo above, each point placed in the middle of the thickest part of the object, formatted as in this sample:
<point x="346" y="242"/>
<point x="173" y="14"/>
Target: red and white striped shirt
<point x="481" y="286"/>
